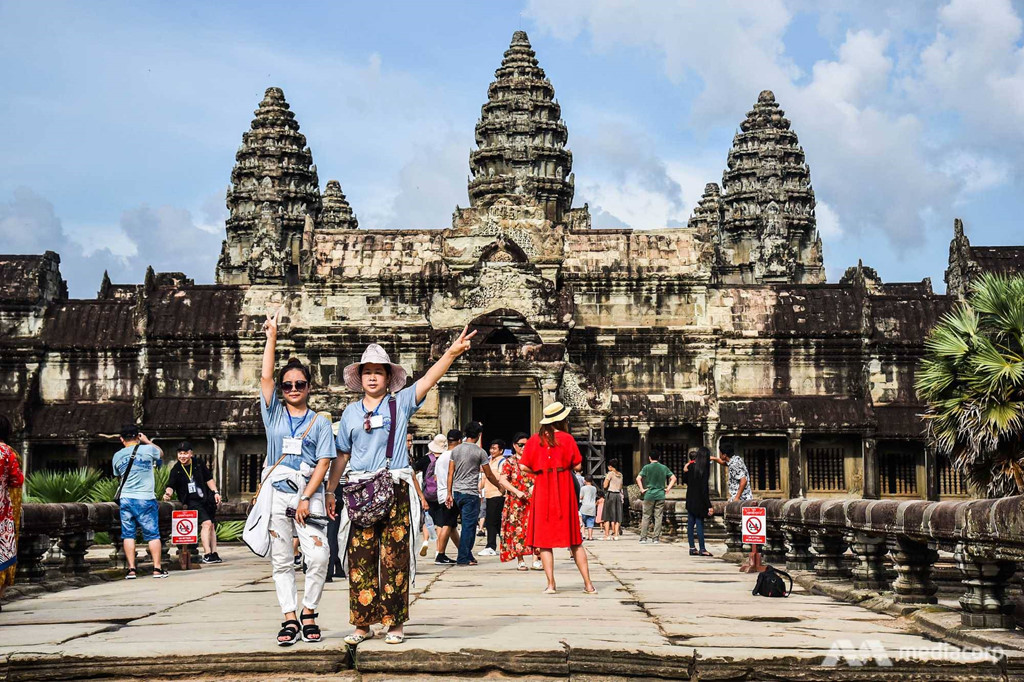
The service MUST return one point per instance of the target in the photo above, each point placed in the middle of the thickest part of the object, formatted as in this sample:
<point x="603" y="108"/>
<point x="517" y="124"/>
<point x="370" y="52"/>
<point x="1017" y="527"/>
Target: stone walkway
<point x="659" y="613"/>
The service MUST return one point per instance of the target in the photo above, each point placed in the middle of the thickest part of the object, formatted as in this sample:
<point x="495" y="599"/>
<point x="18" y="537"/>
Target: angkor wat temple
<point x="659" y="339"/>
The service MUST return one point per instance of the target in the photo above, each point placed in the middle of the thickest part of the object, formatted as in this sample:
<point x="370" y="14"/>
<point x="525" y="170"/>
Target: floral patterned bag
<point x="370" y="500"/>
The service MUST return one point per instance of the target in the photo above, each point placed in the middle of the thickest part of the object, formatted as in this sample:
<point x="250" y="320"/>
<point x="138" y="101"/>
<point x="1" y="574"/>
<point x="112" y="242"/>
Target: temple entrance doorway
<point x="502" y="417"/>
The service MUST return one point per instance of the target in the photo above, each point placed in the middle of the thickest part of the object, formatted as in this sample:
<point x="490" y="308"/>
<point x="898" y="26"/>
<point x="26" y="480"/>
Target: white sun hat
<point x="376" y="355"/>
<point x="554" y="413"/>
<point x="438" y="445"/>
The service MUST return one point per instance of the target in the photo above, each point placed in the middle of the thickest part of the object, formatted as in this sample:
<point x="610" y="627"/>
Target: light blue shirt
<point x="140" y="483"/>
<point x="279" y="424"/>
<point x="369" y="450"/>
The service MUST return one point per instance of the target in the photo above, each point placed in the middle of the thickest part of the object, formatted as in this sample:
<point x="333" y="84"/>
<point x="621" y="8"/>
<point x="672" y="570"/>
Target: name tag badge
<point x="376" y="421"/>
<point x="192" y="487"/>
<point x="291" y="446"/>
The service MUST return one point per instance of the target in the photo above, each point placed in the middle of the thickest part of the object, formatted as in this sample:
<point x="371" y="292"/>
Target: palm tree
<point x="972" y="378"/>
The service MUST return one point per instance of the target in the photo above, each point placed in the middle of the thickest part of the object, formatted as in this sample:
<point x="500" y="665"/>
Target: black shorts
<point x="443" y="516"/>
<point x="204" y="514"/>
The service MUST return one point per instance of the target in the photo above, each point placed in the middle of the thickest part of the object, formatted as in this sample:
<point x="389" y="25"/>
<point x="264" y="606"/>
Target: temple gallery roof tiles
<point x="196" y="414"/>
<point x="26" y="279"/>
<point x="999" y="259"/>
<point x="93" y="324"/>
<point x="899" y="421"/>
<point x="776" y="413"/>
<point x="61" y="420"/>
<point x="195" y="312"/>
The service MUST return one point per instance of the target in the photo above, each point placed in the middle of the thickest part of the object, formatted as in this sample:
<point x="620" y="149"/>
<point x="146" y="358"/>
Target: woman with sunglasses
<point x="300" y="447"/>
<point x="380" y="558"/>
<point x="519" y="487"/>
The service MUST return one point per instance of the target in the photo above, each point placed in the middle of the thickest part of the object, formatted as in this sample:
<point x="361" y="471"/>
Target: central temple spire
<point x="521" y="138"/>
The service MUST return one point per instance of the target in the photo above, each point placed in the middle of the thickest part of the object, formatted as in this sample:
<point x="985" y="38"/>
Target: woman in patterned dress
<point x="517" y="506"/>
<point x="11" y="480"/>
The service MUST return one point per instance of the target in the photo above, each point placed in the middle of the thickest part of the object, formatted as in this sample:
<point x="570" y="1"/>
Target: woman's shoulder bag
<point x="370" y="499"/>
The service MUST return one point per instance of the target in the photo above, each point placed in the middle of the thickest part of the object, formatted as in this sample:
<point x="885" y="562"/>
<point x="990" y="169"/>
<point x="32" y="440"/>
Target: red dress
<point x="554" y="515"/>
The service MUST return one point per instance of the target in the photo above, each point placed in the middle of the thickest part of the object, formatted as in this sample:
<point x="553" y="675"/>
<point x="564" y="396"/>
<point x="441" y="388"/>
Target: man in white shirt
<point x="445" y="520"/>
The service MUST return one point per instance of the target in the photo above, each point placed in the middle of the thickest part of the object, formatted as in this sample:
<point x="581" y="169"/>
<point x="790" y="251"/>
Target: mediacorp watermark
<point x="872" y="651"/>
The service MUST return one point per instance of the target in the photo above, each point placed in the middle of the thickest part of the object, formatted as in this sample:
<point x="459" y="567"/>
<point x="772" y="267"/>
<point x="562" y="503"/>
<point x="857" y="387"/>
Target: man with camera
<point x="134" y="464"/>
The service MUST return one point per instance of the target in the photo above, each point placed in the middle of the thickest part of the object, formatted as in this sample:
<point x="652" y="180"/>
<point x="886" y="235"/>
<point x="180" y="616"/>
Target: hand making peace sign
<point x="270" y="325"/>
<point x="462" y="344"/>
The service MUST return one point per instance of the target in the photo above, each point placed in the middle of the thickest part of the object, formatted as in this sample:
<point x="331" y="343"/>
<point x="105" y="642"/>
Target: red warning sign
<point x="185" y="527"/>
<point x="753" y="526"/>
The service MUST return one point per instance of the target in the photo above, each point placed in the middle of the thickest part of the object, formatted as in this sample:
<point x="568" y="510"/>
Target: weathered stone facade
<point x="660" y="339"/>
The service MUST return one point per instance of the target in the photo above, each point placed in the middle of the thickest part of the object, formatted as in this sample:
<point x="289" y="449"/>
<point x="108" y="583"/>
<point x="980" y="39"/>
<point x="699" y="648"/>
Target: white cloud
<point x="828" y="221"/>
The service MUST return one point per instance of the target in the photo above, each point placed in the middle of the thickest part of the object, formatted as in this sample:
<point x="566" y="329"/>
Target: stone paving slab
<point x="659" y="613"/>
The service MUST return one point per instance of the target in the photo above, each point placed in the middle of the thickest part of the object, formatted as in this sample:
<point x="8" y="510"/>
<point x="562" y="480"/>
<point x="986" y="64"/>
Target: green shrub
<point x="230" y="531"/>
<point x="62" y="486"/>
<point x="101" y="538"/>
<point x="104" y="490"/>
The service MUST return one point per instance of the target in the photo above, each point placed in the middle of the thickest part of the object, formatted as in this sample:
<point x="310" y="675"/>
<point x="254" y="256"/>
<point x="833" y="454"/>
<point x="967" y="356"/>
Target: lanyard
<point x="374" y="413"/>
<point x="295" y="427"/>
<point x="189" y="470"/>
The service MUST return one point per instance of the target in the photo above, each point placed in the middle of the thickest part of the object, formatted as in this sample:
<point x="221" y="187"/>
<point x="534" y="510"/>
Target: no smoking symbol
<point x="753" y="525"/>
<point x="184" y="527"/>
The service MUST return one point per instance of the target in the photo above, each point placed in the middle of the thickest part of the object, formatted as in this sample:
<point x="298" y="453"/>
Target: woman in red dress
<point x="552" y="456"/>
<point x="11" y="480"/>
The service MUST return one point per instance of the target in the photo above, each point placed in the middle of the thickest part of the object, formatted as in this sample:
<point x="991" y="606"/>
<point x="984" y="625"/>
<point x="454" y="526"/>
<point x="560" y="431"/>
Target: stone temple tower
<point x="768" y="231"/>
<point x="521" y="138"/>
<point x="274" y="193"/>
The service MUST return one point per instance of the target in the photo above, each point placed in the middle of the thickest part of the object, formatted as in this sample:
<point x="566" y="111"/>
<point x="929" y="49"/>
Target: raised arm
<point x="267" y="383"/>
<point x="434" y="374"/>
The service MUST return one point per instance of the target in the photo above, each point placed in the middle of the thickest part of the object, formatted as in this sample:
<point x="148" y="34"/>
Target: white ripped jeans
<point x="315" y="551"/>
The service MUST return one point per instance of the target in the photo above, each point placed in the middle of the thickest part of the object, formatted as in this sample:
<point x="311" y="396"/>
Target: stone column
<point x="931" y="474"/>
<point x="734" y="537"/>
<point x="830" y="546"/>
<point x="711" y="443"/>
<point x="795" y="458"/>
<point x="870" y="550"/>
<point x="774" y="549"/>
<point x="798" y="555"/>
<point x="220" y="470"/>
<point x="913" y="562"/>
<point x="82" y="451"/>
<point x="549" y="391"/>
<point x="74" y="546"/>
<point x="447" y="412"/>
<point x="985" y="604"/>
<point x="869" y="449"/>
<point x="26" y="449"/>
<point x="32" y="547"/>
<point x="645" y="444"/>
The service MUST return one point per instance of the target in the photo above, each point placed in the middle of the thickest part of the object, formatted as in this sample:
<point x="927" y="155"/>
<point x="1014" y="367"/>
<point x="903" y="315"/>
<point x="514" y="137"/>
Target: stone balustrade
<point x="70" y="525"/>
<point x="854" y="540"/>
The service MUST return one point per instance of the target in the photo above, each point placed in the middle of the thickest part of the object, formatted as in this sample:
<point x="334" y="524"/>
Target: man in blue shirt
<point x="139" y="508"/>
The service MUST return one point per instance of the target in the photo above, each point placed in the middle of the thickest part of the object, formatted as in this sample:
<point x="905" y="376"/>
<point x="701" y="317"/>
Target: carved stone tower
<point x="521" y="138"/>
<point x="274" y="187"/>
<point x="768" y="231"/>
<point x="336" y="213"/>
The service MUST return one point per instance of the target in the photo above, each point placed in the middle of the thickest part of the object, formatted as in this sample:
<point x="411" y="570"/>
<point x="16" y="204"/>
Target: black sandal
<point x="312" y="629"/>
<point x="289" y="629"/>
<point x="693" y="551"/>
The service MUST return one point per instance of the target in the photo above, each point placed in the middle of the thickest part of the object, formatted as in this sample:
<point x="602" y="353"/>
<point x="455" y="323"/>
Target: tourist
<point x="134" y="464"/>
<point x="552" y="455"/>
<point x="469" y="460"/>
<point x="494" y="498"/>
<point x="291" y="500"/>
<point x="698" y="497"/>
<point x="654" y="480"/>
<point x="193" y="483"/>
<point x="419" y="467"/>
<point x="514" y="515"/>
<point x="612" y="513"/>
<point x="739" y="478"/>
<point x="11" y="481"/>
<point x="446" y="519"/>
<point x="380" y="558"/>
<point x="599" y="519"/>
<point x="588" y="506"/>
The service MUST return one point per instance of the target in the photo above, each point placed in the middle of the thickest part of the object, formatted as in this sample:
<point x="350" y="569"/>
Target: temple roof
<point x="336" y="213"/>
<point x="520" y="136"/>
<point x="1007" y="260"/>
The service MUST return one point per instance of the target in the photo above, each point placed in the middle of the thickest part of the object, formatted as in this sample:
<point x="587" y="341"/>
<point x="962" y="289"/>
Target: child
<point x="588" y="506"/>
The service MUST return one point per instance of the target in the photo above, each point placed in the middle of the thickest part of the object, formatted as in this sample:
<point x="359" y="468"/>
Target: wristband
<point x="331" y="493"/>
<point x="304" y="498"/>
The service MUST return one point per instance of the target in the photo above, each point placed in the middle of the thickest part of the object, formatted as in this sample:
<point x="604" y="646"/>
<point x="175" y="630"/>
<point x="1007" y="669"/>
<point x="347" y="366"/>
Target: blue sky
<point x="120" y="120"/>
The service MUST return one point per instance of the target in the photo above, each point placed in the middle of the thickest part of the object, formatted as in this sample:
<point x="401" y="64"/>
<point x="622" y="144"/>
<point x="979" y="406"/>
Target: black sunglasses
<point x="522" y="445"/>
<point x="298" y="385"/>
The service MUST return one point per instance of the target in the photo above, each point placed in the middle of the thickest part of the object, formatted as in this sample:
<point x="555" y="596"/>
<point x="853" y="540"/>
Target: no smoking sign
<point x="753" y="526"/>
<point x="185" y="527"/>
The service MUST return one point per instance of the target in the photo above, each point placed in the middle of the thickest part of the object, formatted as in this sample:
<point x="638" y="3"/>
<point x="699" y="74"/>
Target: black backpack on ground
<point x="770" y="583"/>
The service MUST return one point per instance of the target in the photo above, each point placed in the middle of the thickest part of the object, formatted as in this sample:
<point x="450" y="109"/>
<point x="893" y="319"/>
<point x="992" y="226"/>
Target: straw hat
<point x="378" y="356"/>
<point x="554" y="413"/>
<point x="438" y="445"/>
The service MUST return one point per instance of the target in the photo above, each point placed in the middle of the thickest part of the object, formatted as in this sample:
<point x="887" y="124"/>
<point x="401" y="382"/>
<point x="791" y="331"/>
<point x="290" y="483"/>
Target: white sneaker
<point x="487" y="551"/>
<point x="537" y="565"/>
<point x="643" y="541"/>
<point x="615" y="538"/>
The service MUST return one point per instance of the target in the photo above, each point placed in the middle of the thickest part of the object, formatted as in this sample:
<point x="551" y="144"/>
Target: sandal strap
<point x="309" y="616"/>
<point x="312" y="628"/>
